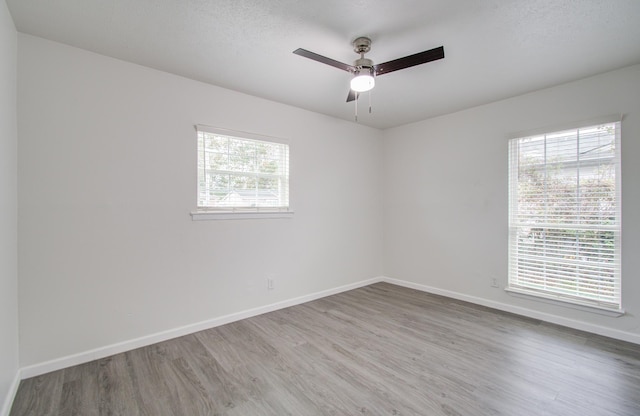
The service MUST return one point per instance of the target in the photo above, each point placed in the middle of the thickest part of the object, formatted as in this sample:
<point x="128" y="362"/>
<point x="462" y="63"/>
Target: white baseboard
<point x="555" y="319"/>
<point x="102" y="352"/>
<point x="11" y="394"/>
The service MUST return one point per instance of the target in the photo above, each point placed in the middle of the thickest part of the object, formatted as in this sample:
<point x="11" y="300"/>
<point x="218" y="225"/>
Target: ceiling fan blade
<point x="352" y="96"/>
<point x="409" y="61"/>
<point x="324" y="60"/>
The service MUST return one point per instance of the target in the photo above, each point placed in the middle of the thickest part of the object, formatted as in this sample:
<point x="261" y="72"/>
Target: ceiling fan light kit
<point x="363" y="80"/>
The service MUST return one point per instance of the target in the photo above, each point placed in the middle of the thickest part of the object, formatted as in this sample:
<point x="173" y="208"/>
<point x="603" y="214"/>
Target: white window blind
<point x="564" y="215"/>
<point x="239" y="172"/>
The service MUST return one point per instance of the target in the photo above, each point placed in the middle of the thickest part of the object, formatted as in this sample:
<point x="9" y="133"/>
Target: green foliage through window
<point x="236" y="173"/>
<point x="564" y="226"/>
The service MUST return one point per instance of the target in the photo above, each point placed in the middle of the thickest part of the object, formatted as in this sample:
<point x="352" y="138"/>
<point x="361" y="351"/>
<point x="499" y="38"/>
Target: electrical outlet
<point x="494" y="282"/>
<point x="271" y="284"/>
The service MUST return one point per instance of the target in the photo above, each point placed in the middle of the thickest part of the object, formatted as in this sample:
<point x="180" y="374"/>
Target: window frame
<point x="571" y="300"/>
<point x="241" y="212"/>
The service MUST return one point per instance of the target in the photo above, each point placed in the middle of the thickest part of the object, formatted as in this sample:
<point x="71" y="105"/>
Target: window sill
<point x="229" y="215"/>
<point x="601" y="310"/>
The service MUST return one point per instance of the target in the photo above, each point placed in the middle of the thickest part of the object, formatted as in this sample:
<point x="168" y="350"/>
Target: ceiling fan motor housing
<point x="364" y="64"/>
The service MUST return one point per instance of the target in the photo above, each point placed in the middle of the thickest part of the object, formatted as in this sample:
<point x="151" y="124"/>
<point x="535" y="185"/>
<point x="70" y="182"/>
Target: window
<point x="564" y="216"/>
<point x="241" y="173"/>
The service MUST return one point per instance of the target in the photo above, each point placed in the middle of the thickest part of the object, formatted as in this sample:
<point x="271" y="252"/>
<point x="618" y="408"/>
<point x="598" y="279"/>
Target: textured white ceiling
<point x="494" y="48"/>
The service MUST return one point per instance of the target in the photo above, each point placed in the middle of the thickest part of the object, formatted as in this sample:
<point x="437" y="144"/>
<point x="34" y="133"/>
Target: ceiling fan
<point x="364" y="71"/>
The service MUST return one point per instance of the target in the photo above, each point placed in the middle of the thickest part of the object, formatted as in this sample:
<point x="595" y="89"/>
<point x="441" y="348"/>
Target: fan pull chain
<point x="356" y="100"/>
<point x="356" y="104"/>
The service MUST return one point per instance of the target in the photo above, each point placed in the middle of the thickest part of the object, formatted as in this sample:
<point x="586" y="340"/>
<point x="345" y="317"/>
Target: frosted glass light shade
<point x="362" y="82"/>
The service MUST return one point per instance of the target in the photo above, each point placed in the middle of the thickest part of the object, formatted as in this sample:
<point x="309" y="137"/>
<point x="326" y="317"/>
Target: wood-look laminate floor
<point x="378" y="350"/>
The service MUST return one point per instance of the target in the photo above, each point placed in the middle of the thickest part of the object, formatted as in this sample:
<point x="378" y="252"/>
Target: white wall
<point x="8" y="208"/>
<point x="108" y="251"/>
<point x="445" y="195"/>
